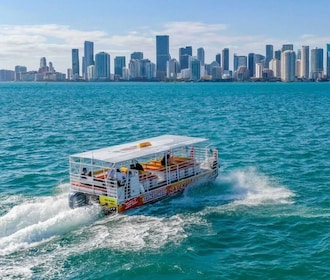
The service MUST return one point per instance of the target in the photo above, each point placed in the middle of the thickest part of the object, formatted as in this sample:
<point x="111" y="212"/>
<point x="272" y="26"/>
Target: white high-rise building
<point x="288" y="66"/>
<point x="91" y="72"/>
<point x="298" y="68"/>
<point x="172" y="69"/>
<point x="259" y="69"/>
<point x="275" y="66"/>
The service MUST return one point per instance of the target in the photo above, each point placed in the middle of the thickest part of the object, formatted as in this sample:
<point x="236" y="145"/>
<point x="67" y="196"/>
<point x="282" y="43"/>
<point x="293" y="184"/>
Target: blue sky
<point x="32" y="29"/>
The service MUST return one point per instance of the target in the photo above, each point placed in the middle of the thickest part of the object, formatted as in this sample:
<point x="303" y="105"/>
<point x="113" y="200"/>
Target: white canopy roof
<point x="133" y="150"/>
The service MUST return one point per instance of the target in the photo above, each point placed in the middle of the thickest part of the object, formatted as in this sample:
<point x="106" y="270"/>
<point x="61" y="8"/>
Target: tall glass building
<point x="287" y="47"/>
<point x="120" y="63"/>
<point x="218" y="58"/>
<point x="201" y="56"/>
<point x="195" y="70"/>
<point x="328" y="60"/>
<point x="102" y="66"/>
<point x="304" y="71"/>
<point x="137" y="55"/>
<point x="184" y="56"/>
<point x="75" y="64"/>
<point x="225" y="59"/>
<point x="277" y="54"/>
<point x="162" y="55"/>
<point x="269" y="55"/>
<point x="316" y="63"/>
<point x="88" y="56"/>
<point x="239" y="61"/>
<point x="251" y="64"/>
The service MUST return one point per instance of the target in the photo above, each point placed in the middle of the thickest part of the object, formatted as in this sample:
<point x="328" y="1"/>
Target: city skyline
<point x="29" y="31"/>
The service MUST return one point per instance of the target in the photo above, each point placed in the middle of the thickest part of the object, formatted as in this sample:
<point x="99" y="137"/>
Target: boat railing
<point x="179" y="168"/>
<point x="94" y="184"/>
<point x="116" y="181"/>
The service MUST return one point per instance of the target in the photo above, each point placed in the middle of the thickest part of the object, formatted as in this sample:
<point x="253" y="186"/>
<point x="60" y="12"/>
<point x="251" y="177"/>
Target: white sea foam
<point x="134" y="233"/>
<point x="44" y="220"/>
<point x="40" y="219"/>
<point x="122" y="233"/>
<point x="254" y="188"/>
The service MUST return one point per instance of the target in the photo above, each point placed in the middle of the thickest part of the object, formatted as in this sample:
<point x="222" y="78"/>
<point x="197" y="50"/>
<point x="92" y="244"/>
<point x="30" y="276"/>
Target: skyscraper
<point x="162" y="55"/>
<point x="304" y="64"/>
<point x="225" y="59"/>
<point x="239" y="61"/>
<point x="43" y="62"/>
<point x="102" y="66"/>
<point x="184" y="56"/>
<point x="150" y="70"/>
<point x="275" y="66"/>
<point x="43" y="65"/>
<point x="88" y="56"/>
<point x="251" y="64"/>
<point x="218" y="58"/>
<point x="137" y="55"/>
<point x="19" y="70"/>
<point x="269" y="55"/>
<point x="201" y="56"/>
<point x="120" y="63"/>
<point x="316" y="63"/>
<point x="75" y="64"/>
<point x="195" y="69"/>
<point x="328" y="60"/>
<point x="134" y="69"/>
<point x="173" y="68"/>
<point x="277" y="54"/>
<point x="259" y="58"/>
<point x="287" y="47"/>
<point x="143" y="68"/>
<point x="288" y="66"/>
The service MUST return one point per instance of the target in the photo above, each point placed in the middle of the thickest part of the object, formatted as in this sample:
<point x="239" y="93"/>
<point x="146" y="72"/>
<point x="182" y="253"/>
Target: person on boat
<point x="137" y="166"/>
<point x="166" y="160"/>
<point x="120" y="176"/>
<point x="84" y="173"/>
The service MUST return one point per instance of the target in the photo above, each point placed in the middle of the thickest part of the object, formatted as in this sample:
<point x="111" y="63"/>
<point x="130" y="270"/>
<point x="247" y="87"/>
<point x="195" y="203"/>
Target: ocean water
<point x="267" y="215"/>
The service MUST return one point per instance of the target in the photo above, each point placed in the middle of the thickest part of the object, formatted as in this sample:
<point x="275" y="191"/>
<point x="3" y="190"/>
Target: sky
<point x="33" y="29"/>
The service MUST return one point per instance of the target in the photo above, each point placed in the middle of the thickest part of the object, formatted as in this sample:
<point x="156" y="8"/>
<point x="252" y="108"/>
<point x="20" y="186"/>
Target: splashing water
<point x="40" y="219"/>
<point x="250" y="187"/>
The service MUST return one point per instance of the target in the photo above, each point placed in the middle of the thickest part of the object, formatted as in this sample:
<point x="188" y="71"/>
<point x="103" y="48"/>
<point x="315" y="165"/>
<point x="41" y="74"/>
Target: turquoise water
<point x="267" y="215"/>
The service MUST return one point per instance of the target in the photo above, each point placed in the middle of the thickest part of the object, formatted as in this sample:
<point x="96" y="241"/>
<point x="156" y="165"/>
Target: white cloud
<point x="25" y="44"/>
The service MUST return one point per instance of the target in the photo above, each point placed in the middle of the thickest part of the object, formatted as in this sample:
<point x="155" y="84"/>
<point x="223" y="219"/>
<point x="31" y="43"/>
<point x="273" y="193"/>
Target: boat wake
<point x="241" y="187"/>
<point x="40" y="219"/>
<point x="39" y="231"/>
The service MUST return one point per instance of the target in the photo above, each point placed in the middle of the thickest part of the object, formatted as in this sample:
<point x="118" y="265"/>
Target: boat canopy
<point x="137" y="149"/>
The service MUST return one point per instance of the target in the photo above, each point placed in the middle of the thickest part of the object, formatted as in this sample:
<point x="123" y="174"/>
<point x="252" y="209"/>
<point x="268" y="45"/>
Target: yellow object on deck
<point x="144" y="144"/>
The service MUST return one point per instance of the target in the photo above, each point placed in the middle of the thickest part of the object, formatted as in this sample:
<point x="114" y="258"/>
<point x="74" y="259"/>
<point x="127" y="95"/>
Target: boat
<point x="129" y="175"/>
